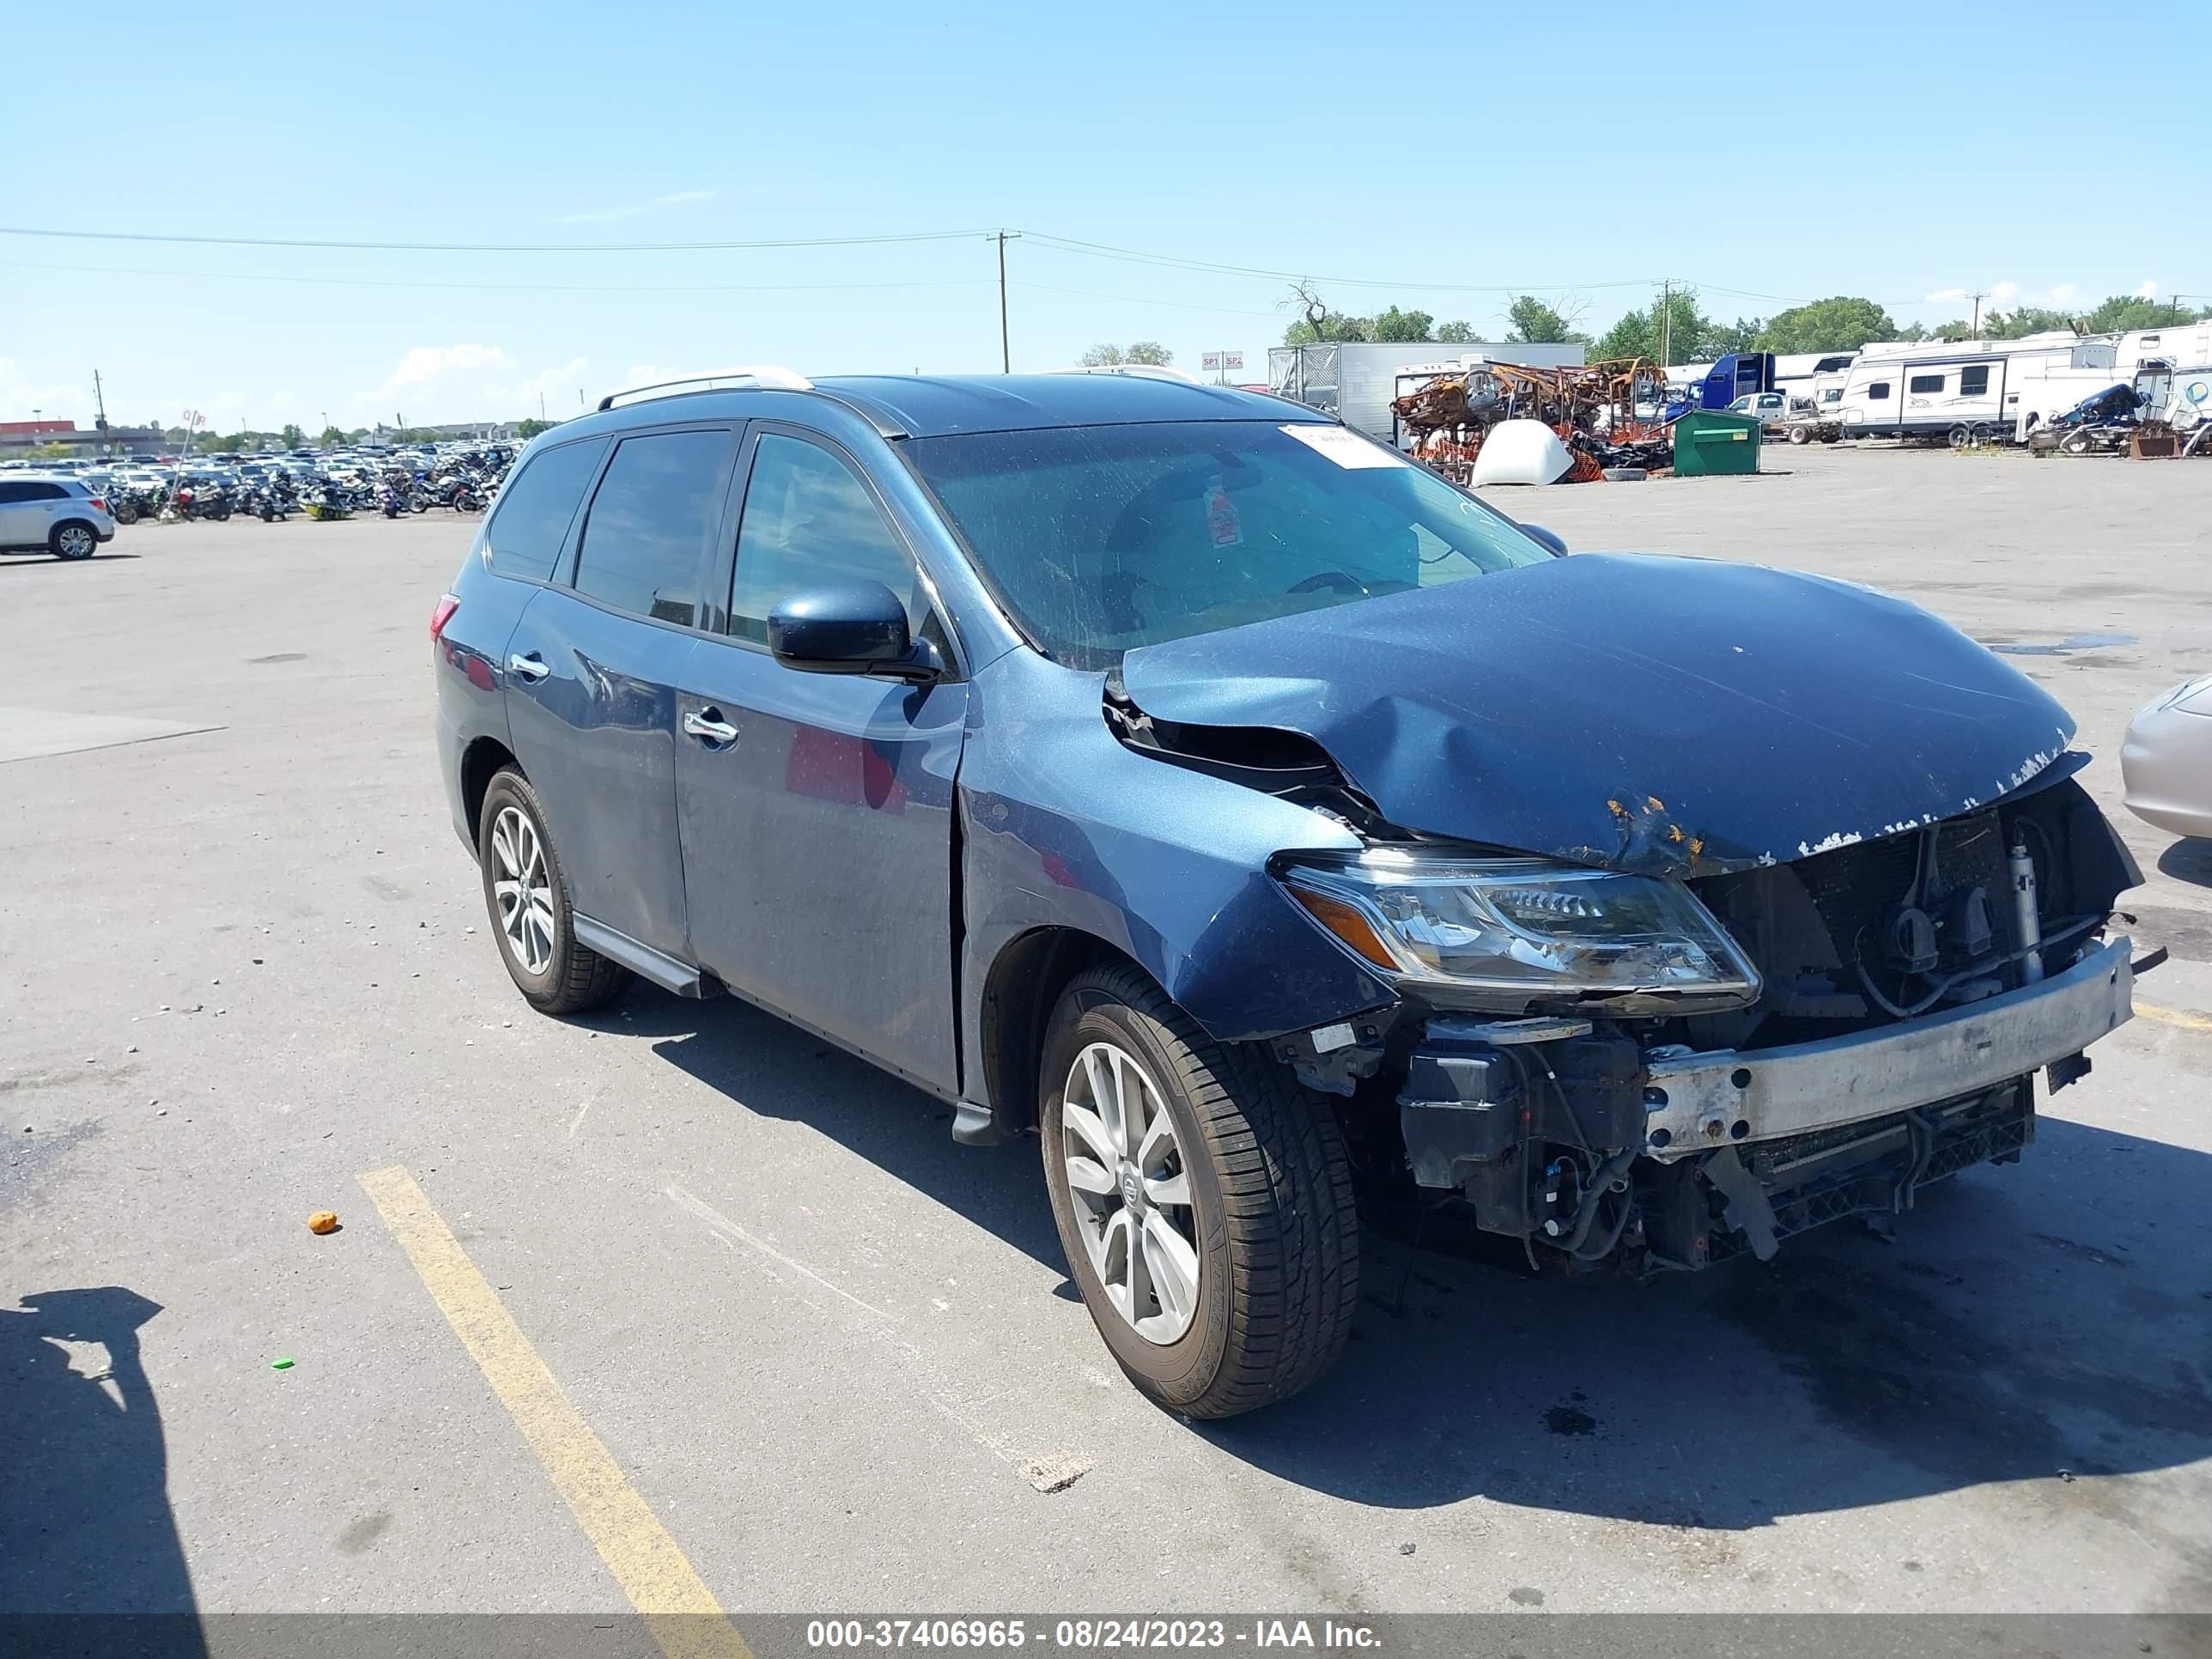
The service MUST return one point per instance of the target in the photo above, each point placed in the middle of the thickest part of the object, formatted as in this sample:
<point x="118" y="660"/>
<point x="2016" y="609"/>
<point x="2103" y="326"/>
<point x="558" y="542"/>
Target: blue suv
<point x="1259" y="820"/>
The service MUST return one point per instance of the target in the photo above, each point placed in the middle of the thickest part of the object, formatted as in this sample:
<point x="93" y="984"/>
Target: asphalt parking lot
<point x="245" y="964"/>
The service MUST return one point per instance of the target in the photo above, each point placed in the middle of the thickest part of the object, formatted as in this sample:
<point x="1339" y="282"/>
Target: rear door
<point x="592" y="668"/>
<point x="818" y="835"/>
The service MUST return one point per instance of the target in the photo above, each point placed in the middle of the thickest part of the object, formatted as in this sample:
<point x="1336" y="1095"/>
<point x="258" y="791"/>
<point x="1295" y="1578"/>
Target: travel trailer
<point x="2169" y="368"/>
<point x="1962" y="389"/>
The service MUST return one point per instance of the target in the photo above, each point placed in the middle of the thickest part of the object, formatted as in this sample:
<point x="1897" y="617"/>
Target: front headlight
<point x="1524" y="929"/>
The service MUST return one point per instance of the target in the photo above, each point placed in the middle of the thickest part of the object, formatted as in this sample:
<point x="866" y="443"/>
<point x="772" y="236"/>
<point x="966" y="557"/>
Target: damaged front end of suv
<point x="1760" y="914"/>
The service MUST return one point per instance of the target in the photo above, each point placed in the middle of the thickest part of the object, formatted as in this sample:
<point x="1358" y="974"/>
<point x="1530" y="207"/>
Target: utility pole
<point x="99" y="401"/>
<point x="1666" y="325"/>
<point x="1974" y="328"/>
<point x="1005" y="351"/>
<point x="541" y="403"/>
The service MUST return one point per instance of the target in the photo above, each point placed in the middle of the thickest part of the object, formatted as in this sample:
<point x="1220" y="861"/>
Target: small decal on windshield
<point x="1346" y="449"/>
<point x="1221" y="521"/>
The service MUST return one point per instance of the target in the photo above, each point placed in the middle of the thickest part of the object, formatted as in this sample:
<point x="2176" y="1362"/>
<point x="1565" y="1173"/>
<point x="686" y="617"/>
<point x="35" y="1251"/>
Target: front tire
<point x="1204" y="1201"/>
<point x="527" y="898"/>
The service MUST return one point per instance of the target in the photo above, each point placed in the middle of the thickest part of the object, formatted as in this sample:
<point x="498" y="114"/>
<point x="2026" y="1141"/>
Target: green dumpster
<point x="1710" y="441"/>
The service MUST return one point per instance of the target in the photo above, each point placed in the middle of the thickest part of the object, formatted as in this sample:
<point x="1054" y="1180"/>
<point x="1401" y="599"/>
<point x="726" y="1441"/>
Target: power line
<point x="496" y="247"/>
<point x="1106" y="251"/>
<point x="494" y="287"/>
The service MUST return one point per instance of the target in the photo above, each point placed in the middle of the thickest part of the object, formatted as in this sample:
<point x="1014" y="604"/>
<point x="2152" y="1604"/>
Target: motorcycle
<point x="131" y="505"/>
<point x="200" y="501"/>
<point x="326" y="502"/>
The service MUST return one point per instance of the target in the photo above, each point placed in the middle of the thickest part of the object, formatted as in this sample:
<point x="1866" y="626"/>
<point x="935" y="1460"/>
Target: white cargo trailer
<point x="1356" y="380"/>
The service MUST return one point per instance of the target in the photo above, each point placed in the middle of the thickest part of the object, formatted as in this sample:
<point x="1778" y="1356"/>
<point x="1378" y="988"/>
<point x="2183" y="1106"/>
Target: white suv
<point x="57" y="515"/>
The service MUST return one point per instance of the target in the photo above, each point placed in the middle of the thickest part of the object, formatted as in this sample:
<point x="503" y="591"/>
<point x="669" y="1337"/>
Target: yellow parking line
<point x="679" y="1610"/>
<point x="2173" y="1016"/>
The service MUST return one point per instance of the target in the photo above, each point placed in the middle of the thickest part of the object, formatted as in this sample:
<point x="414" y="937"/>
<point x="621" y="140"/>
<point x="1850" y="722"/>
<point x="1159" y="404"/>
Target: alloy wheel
<point x="74" y="542"/>
<point x="523" y="890"/>
<point x="1130" y="1191"/>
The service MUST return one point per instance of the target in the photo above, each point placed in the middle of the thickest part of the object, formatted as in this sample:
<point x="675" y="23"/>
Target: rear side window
<point x="810" y="521"/>
<point x="11" y="493"/>
<point x="647" y="532"/>
<point x="531" y="521"/>
<point x="1923" y="383"/>
<point x="1974" y="382"/>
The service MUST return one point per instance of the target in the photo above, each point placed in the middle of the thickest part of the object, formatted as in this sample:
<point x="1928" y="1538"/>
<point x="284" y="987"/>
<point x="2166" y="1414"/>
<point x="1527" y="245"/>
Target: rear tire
<point x="1257" y="1182"/>
<point x="1799" y="435"/>
<point x="125" y="514"/>
<point x="72" y="542"/>
<point x="556" y="974"/>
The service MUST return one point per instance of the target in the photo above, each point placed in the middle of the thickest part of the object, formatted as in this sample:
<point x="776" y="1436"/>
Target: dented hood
<point x="1666" y="716"/>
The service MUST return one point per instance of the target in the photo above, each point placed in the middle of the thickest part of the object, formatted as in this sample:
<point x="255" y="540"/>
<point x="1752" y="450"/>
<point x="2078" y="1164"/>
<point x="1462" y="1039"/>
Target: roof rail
<point x="757" y="373"/>
<point x="1143" y="371"/>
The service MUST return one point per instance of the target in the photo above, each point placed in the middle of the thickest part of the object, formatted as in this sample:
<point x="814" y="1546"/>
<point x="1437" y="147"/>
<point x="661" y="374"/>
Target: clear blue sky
<point x="2049" y="153"/>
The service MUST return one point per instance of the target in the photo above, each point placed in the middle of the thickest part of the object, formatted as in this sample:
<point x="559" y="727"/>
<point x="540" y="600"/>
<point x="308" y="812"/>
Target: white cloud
<point x="632" y="210"/>
<point x="1943" y="294"/>
<point x="2061" y="294"/>
<point x="2004" y="294"/>
<point x="54" y="400"/>
<point x="423" y="364"/>
<point x="2148" y="291"/>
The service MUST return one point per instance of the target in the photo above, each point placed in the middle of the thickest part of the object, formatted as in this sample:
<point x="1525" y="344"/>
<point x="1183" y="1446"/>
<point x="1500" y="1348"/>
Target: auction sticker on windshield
<point x="1346" y="449"/>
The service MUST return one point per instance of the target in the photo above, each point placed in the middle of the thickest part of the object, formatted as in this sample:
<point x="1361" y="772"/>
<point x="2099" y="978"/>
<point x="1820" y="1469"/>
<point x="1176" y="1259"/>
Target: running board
<point x="643" y="960"/>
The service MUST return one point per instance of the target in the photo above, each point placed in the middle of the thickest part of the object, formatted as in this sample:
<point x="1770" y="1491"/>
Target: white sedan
<point x="2165" y="762"/>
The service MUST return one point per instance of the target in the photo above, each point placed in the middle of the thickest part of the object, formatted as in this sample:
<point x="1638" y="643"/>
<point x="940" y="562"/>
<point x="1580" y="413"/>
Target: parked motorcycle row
<point x="334" y="488"/>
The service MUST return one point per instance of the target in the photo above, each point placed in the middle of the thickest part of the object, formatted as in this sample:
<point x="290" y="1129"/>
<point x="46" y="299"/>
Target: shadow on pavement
<point x="85" y="1523"/>
<point x="2189" y="859"/>
<point x="2006" y="1335"/>
<point x="779" y="1071"/>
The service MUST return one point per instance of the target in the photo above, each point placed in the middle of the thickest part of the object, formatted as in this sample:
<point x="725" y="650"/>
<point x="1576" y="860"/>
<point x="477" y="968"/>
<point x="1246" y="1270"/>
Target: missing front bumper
<point x="1695" y="1103"/>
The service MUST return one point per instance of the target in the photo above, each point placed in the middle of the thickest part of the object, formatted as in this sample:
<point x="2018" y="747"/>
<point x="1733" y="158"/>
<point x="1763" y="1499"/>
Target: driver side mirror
<point x="1550" y="539"/>
<point x="849" y="628"/>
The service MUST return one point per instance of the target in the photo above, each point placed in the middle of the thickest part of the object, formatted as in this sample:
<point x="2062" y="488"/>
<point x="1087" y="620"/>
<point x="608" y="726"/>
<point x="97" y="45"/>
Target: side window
<point x="1924" y="382"/>
<point x="1877" y="392"/>
<point x="647" y="528"/>
<point x="11" y="493"/>
<point x="809" y="520"/>
<point x="1974" y="381"/>
<point x="531" y="519"/>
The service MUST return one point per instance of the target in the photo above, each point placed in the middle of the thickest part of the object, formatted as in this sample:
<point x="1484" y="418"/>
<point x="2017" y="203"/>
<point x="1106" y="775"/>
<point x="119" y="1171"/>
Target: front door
<point x="593" y="665"/>
<point x="816" y="809"/>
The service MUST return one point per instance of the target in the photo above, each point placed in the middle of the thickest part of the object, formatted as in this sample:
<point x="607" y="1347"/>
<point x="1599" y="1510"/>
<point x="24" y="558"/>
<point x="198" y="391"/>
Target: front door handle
<point x="531" y="666"/>
<point x="709" y="723"/>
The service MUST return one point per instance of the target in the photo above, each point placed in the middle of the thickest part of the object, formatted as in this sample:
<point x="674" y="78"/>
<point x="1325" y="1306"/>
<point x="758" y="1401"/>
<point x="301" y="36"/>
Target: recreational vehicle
<point x="1962" y="389"/>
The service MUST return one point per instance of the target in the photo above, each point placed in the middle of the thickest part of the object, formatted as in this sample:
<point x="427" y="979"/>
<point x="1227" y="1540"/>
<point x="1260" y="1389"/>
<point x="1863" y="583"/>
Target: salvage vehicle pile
<point x="1592" y="409"/>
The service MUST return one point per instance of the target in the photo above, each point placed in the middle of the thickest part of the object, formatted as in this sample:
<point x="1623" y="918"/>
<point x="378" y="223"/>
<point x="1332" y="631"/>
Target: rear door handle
<point x="709" y="723"/>
<point x="530" y="665"/>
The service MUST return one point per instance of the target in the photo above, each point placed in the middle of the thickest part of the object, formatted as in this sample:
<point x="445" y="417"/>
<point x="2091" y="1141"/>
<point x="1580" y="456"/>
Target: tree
<point x="1674" y="334"/>
<point x="292" y="436"/>
<point x="1455" y="333"/>
<point x="2123" y="313"/>
<point x="528" y="429"/>
<point x="1150" y="351"/>
<point x="1530" y="321"/>
<point x="331" y="437"/>
<point x="1401" y="325"/>
<point x="2023" y="320"/>
<point x="1102" y="356"/>
<point x="1843" y="323"/>
<point x="1720" y="339"/>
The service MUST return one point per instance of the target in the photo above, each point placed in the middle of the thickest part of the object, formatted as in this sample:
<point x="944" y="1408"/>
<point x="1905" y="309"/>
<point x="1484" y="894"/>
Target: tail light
<point x="100" y="503"/>
<point x="443" y="613"/>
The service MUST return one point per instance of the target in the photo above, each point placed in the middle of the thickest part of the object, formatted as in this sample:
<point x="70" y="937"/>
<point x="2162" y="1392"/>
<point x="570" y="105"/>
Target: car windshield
<point x="1100" y="539"/>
